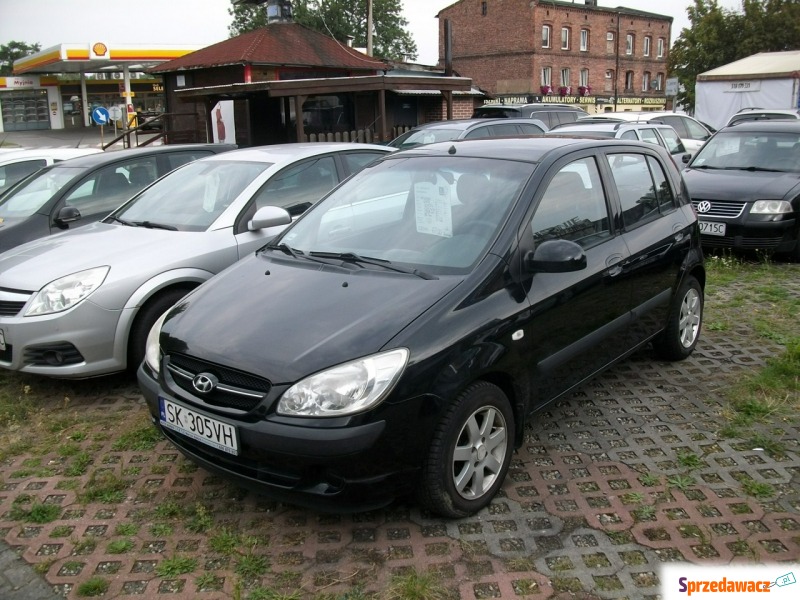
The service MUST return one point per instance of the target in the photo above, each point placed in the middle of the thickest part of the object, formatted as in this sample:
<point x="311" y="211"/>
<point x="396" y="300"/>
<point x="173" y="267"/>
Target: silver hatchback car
<point x="81" y="303"/>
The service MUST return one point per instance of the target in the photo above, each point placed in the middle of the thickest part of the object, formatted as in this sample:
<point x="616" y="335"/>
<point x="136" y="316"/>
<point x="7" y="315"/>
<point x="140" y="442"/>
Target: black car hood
<point x="739" y="185"/>
<point x="284" y="319"/>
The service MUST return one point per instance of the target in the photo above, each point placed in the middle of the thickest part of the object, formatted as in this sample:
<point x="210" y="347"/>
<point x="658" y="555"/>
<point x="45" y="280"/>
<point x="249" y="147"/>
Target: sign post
<point x="671" y="90"/>
<point x="101" y="116"/>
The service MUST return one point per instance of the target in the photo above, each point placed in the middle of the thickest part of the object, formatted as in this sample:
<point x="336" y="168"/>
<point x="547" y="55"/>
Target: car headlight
<point x="345" y="389"/>
<point x="771" y="207"/>
<point x="66" y="292"/>
<point x="152" y="349"/>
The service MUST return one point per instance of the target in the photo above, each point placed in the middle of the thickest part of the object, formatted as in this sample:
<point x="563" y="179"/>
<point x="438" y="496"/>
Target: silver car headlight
<point x="345" y="389"/>
<point x="152" y="349"/>
<point x="66" y="292"/>
<point x="771" y="207"/>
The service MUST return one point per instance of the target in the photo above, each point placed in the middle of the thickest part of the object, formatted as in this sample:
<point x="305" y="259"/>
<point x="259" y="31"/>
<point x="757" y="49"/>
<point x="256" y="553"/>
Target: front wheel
<point x="469" y="454"/>
<point x="680" y="336"/>
<point x="148" y="315"/>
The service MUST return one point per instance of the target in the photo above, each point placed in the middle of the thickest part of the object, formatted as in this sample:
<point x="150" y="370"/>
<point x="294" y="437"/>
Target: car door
<point x="656" y="233"/>
<point x="577" y="319"/>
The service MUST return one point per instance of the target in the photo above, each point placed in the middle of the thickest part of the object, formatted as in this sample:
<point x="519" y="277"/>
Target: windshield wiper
<point x="122" y="222"/>
<point x="367" y="260"/>
<point x="754" y="169"/>
<point x="151" y="225"/>
<point x="293" y="252"/>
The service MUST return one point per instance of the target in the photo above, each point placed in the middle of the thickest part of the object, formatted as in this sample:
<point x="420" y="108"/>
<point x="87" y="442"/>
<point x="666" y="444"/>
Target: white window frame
<point x="584" y="40"/>
<point x="647" y="43"/>
<point x="584" y="78"/>
<point x="660" y="47"/>
<point x="547" y="76"/>
<point x="565" y="38"/>
<point x="646" y="81"/>
<point x="659" y="82"/>
<point x="565" y="77"/>
<point x="629" y="80"/>
<point x="629" y="43"/>
<point x="546" y="37"/>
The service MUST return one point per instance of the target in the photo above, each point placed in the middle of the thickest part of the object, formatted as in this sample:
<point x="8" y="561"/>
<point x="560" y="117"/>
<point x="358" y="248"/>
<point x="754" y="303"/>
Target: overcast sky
<point x="204" y="22"/>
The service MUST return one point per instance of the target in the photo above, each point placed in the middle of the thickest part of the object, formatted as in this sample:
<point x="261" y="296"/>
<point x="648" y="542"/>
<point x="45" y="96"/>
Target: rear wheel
<point x="148" y="314"/>
<point x="469" y="454"/>
<point x="680" y="336"/>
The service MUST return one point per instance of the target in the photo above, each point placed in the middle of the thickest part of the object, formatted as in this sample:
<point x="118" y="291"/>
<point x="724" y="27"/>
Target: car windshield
<point x="192" y="197"/>
<point x="425" y="136"/>
<point x="33" y="193"/>
<point x="436" y="214"/>
<point x="774" y="151"/>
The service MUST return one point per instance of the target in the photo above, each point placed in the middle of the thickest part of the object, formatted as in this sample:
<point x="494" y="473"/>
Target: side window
<point x="107" y="188"/>
<point x="672" y="140"/>
<point x="504" y="129"/>
<point x="298" y="187"/>
<point x="566" y="116"/>
<point x="12" y="173"/>
<point x="355" y="161"/>
<point x="176" y="159"/>
<point x="695" y="131"/>
<point x="478" y="132"/>
<point x="637" y="192"/>
<point x="666" y="199"/>
<point x="677" y="124"/>
<point x="142" y="173"/>
<point x="530" y="129"/>
<point x="573" y="206"/>
<point x="629" y="135"/>
<point x="650" y="136"/>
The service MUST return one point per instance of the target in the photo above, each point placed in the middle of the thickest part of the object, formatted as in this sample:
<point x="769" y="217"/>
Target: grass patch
<point x="177" y="565"/>
<point x="225" y="542"/>
<point x="105" y="487"/>
<point x="200" y="519"/>
<point x="682" y="482"/>
<point x="96" y="586"/>
<point x="78" y="465"/>
<point x="251" y="565"/>
<point x="168" y="510"/>
<point x="126" y="529"/>
<point x="649" y="479"/>
<point x="139" y="439"/>
<point x="415" y="586"/>
<point x="36" y="513"/>
<point x="757" y="489"/>
<point x="120" y="546"/>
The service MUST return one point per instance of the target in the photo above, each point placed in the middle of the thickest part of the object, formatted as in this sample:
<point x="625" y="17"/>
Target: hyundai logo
<point x="704" y="206"/>
<point x="205" y="383"/>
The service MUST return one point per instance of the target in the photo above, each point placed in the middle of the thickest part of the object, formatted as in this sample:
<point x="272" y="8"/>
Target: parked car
<point x="693" y="133"/>
<point x="764" y="114"/>
<point x="17" y="165"/>
<point x="80" y="303"/>
<point x="396" y="339"/>
<point x="551" y="114"/>
<point x="652" y="133"/>
<point x="466" y="129"/>
<point x="85" y="189"/>
<point x="745" y="187"/>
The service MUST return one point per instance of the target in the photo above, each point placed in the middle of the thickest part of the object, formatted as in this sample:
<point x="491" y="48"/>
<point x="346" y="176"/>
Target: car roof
<point x="279" y="153"/>
<point x="766" y="126"/>
<point x="103" y="158"/>
<point x="609" y="125"/>
<point x="464" y="124"/>
<point x="54" y="153"/>
<point x="526" y="148"/>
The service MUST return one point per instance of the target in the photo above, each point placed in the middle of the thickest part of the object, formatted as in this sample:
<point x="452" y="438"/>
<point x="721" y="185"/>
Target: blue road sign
<point x="100" y="116"/>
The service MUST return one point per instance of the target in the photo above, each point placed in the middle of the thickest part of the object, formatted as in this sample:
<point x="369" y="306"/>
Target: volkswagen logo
<point x="205" y="383"/>
<point x="704" y="206"/>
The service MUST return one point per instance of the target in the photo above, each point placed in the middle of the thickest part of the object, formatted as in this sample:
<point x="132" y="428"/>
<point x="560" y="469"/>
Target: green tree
<point x="13" y="51"/>
<point x="718" y="36"/>
<point x="341" y="19"/>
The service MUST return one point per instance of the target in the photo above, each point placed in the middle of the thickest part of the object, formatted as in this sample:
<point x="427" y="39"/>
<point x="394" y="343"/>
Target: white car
<point x="18" y="164"/>
<point x="81" y="303"/>
<point x="692" y="132"/>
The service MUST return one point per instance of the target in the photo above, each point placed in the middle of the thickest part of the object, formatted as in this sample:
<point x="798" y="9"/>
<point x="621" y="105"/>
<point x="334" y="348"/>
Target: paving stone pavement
<point x="611" y="483"/>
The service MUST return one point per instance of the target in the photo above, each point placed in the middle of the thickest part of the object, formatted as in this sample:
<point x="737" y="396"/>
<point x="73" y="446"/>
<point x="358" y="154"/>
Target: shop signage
<point x="530" y="99"/>
<point x="157" y="87"/>
<point x="98" y="50"/>
<point x="27" y="81"/>
<point x="744" y="86"/>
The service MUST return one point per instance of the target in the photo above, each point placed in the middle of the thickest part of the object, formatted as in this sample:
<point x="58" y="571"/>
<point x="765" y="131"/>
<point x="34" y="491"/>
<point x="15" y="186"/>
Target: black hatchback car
<point x="82" y="190"/>
<point x="745" y="186"/>
<point x="397" y="337"/>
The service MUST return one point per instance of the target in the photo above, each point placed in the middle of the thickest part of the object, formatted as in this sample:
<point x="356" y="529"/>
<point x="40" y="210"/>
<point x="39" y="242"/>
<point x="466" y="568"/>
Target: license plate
<point x="198" y="426"/>
<point x="711" y="228"/>
<point x="2" y="341"/>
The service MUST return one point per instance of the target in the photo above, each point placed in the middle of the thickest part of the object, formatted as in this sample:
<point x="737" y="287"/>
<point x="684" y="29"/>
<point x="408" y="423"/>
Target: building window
<point x="659" y="82"/>
<point x="647" y="42"/>
<point x="629" y="81"/>
<point x="565" y="38"/>
<point x="584" y="40"/>
<point x="660" y="47"/>
<point x="609" y="84"/>
<point x="483" y="8"/>
<point x="564" y="77"/>
<point x="546" y="76"/>
<point x="545" y="36"/>
<point x="646" y="81"/>
<point x="629" y="41"/>
<point x="610" y="43"/>
<point x="584" y="78"/>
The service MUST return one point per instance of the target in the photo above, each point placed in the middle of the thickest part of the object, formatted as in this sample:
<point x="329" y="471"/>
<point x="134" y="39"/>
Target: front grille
<point x="746" y="243"/>
<point x="724" y="209"/>
<point x="9" y="308"/>
<point x="58" y="354"/>
<point x="237" y="390"/>
<point x="6" y="355"/>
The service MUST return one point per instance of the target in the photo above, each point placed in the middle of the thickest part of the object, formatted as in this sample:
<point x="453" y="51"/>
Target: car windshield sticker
<point x="433" y="208"/>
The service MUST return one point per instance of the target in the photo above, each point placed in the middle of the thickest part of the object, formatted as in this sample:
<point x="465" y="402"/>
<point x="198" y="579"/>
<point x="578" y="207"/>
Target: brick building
<point x="554" y="51"/>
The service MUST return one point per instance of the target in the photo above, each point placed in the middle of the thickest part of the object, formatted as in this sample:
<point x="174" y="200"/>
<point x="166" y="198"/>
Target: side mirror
<point x="67" y="214"/>
<point x="686" y="158"/>
<point x="269" y="216"/>
<point x="555" y="256"/>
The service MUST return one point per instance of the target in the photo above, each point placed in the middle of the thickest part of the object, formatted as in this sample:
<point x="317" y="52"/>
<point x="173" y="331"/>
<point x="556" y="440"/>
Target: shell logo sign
<point x="99" y="50"/>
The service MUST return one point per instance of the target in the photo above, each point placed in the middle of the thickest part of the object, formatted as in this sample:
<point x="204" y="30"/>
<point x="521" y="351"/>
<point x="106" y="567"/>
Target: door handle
<point x="614" y="264"/>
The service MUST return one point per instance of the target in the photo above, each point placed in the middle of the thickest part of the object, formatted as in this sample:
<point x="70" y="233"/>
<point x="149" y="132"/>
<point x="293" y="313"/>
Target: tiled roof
<point x="279" y="44"/>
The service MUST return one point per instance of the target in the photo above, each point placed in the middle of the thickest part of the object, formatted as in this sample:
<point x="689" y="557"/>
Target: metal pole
<point x="369" y="27"/>
<point x="616" y="67"/>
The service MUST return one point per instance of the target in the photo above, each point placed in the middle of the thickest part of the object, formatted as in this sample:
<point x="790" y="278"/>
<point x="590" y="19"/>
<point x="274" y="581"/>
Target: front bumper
<point x="753" y="232"/>
<point x="338" y="466"/>
<point x="76" y="343"/>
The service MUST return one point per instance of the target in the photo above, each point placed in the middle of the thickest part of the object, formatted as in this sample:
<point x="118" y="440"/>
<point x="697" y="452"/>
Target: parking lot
<point x="628" y="473"/>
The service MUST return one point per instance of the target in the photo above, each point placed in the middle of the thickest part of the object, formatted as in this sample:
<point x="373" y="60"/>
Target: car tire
<point x="147" y="316"/>
<point x="463" y="472"/>
<point x="679" y="338"/>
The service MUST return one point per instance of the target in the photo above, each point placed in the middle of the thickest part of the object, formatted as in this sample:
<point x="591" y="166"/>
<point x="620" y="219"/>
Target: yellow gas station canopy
<point x="98" y="57"/>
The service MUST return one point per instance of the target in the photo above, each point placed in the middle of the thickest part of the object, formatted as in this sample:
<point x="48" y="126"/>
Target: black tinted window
<point x="664" y="195"/>
<point x="677" y="124"/>
<point x="636" y="189"/>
